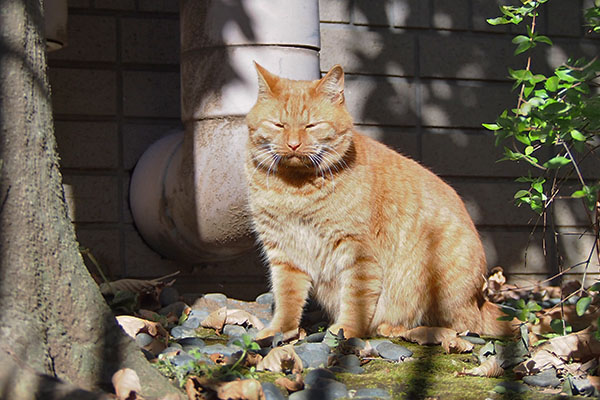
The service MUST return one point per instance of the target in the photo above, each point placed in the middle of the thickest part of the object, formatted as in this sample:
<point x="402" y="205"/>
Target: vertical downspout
<point x="188" y="191"/>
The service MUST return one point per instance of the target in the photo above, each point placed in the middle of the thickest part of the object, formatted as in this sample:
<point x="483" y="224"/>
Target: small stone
<point x="376" y="342"/>
<point x="473" y="339"/>
<point x="318" y="373"/>
<point x="372" y="393"/>
<point x="348" y="370"/>
<point x="143" y="339"/>
<point x="191" y="342"/>
<point x="330" y="388"/>
<point x="315" y="337"/>
<point x="192" y="323"/>
<point x="175" y="308"/>
<point x="504" y="387"/>
<point x="582" y="387"/>
<point x="220" y="349"/>
<point x="393" y="351"/>
<point x="265" y="298"/>
<point x="200" y="314"/>
<point x="313" y="355"/>
<point x="271" y="391"/>
<point x="218" y="298"/>
<point x="252" y="332"/>
<point x="356" y="343"/>
<point x="545" y="378"/>
<point x="183" y="360"/>
<point x="168" y="295"/>
<point x="348" y="361"/>
<point x="234" y="330"/>
<point x="180" y="332"/>
<point x="173" y="348"/>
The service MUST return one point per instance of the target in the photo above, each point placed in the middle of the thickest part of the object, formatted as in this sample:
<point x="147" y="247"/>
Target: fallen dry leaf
<point x="456" y="345"/>
<point x="427" y="335"/>
<point x="291" y="385"/>
<point x="281" y="359"/>
<point x="216" y="319"/>
<point x="219" y="318"/>
<point x="135" y="285"/>
<point x="580" y="346"/>
<point x="127" y="384"/>
<point x="595" y="381"/>
<point x="198" y="388"/>
<point x="252" y="359"/>
<point x="247" y="389"/>
<point x="133" y="325"/>
<point x="490" y="368"/>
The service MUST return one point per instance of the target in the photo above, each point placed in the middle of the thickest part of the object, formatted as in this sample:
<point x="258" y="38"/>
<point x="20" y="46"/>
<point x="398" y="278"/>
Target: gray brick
<point x="574" y="248"/>
<point x="104" y="247"/>
<point x="465" y="56"/>
<point x="78" y="3"/>
<point x="151" y="94"/>
<point x="463" y="104"/>
<point x="86" y="92"/>
<point x="90" y="38"/>
<point x="564" y="18"/>
<point x="115" y="4"/>
<point x="87" y="144"/>
<point x="411" y="14"/>
<point x="159" y="5"/>
<point x="403" y="140"/>
<point x="334" y="11"/>
<point x="143" y="262"/>
<point x="508" y="249"/>
<point x="491" y="203"/>
<point x="367" y="14"/>
<point x="485" y="9"/>
<point x="451" y="15"/>
<point x="385" y="101"/>
<point x="92" y="198"/>
<point x="380" y="52"/>
<point x="457" y="153"/>
<point x="137" y="138"/>
<point x="150" y="40"/>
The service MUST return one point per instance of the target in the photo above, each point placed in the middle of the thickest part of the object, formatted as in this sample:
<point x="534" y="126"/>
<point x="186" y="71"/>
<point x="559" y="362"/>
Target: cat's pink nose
<point x="293" y="146"/>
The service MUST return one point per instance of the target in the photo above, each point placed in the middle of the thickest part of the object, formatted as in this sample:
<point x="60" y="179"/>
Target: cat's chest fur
<point x="295" y="228"/>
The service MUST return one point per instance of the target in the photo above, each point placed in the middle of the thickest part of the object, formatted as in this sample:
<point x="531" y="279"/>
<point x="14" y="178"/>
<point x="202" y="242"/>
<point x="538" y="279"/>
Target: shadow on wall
<point x="423" y="76"/>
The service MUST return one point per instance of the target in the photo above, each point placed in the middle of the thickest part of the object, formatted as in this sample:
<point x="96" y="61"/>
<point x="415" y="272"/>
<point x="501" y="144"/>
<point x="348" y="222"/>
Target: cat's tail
<point x="491" y="326"/>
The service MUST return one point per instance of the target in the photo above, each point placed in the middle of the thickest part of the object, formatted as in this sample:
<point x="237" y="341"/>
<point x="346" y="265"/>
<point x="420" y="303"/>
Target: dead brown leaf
<point x="247" y="389"/>
<point x="280" y="359"/>
<point x="291" y="385"/>
<point x="490" y="368"/>
<point x="127" y="384"/>
<point x="135" y="285"/>
<point x="133" y="325"/>
<point x="427" y="335"/>
<point x="580" y="346"/>
<point x="595" y="381"/>
<point x="218" y="358"/>
<point x="252" y="359"/>
<point x="456" y="345"/>
<point x="198" y="388"/>
<point x="217" y="319"/>
<point x="368" y="351"/>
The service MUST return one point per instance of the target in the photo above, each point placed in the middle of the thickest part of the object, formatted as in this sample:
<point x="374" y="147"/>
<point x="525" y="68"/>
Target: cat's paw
<point x="387" y="330"/>
<point x="265" y="336"/>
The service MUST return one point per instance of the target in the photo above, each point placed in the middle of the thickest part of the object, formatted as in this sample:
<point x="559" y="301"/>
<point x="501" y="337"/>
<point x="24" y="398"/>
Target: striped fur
<point x="378" y="239"/>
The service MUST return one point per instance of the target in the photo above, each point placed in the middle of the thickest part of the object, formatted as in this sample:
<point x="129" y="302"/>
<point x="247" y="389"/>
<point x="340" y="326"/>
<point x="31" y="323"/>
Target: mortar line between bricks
<point x="120" y="151"/>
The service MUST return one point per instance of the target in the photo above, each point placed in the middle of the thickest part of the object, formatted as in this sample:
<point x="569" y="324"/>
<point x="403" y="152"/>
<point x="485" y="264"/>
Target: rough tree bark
<point x="53" y="321"/>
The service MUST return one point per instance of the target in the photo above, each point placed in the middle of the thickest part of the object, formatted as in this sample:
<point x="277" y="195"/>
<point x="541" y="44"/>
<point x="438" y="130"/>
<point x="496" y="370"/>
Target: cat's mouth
<point x="296" y="160"/>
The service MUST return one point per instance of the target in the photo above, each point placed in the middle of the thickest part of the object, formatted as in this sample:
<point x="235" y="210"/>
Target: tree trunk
<point x="53" y="319"/>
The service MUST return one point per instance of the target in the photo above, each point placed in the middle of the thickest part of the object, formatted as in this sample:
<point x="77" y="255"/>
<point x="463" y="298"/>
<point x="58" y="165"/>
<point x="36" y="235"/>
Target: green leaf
<point x="557" y="162"/>
<point x="543" y="39"/>
<point x="552" y="84"/>
<point x="492" y="127"/>
<point x="582" y="305"/>
<point x="520" y="39"/>
<point x="528" y="150"/>
<point x="538" y="187"/>
<point x="523" y="47"/>
<point x="521" y="193"/>
<point x="576" y="135"/>
<point x="497" y="21"/>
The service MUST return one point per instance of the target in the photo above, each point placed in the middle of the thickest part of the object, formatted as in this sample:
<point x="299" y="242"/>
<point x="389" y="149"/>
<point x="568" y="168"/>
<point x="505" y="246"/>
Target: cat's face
<point x="299" y="123"/>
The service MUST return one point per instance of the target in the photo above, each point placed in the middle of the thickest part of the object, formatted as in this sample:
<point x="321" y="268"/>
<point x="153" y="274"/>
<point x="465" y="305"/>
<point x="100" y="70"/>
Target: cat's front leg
<point x="290" y="286"/>
<point x="361" y="288"/>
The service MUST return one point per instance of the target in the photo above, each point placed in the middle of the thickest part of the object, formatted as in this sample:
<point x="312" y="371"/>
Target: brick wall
<point x="422" y="77"/>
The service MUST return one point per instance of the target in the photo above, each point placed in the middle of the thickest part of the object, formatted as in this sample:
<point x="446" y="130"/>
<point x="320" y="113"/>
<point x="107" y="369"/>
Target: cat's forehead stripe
<point x="295" y="105"/>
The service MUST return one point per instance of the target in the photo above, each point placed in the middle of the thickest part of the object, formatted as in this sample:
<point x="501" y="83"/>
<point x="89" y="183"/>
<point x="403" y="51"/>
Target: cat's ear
<point x="332" y="84"/>
<point x="266" y="81"/>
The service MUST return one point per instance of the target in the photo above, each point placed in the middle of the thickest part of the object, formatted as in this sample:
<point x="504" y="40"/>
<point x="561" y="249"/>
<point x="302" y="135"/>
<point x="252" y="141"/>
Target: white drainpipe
<point x="188" y="190"/>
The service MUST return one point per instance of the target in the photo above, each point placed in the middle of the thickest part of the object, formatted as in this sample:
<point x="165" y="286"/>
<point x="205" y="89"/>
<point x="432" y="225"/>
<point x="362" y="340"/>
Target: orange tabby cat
<point x="380" y="241"/>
